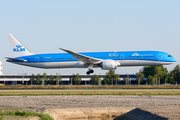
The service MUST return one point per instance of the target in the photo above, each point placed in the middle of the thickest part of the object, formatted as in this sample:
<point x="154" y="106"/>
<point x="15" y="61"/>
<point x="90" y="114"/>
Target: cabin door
<point x="122" y="57"/>
<point x="37" y="59"/>
<point x="160" y="56"/>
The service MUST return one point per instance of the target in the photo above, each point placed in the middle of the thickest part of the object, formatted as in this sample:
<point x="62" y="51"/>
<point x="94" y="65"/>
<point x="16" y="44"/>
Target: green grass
<point x="147" y="92"/>
<point x="16" y="112"/>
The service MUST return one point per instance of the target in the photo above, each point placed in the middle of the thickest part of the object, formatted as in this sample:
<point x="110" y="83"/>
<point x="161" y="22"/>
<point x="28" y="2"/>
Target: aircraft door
<point x="37" y="59"/>
<point x="122" y="57"/>
<point x="160" y="56"/>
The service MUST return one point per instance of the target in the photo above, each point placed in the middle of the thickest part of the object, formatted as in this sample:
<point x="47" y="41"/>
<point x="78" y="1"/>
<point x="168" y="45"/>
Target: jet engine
<point x="109" y="65"/>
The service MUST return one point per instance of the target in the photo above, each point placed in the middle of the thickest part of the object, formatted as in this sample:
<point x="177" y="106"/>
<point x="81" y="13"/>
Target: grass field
<point x="90" y="87"/>
<point x="38" y="92"/>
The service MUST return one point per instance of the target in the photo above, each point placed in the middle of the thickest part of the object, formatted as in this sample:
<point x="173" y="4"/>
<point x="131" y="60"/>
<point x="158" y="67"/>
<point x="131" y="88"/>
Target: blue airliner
<point x="90" y="60"/>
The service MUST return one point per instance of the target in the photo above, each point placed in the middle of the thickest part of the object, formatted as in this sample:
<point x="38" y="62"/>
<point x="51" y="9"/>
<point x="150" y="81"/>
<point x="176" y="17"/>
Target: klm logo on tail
<point x="18" y="49"/>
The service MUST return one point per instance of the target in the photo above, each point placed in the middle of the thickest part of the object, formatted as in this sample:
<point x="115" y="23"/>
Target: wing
<point x="15" y="59"/>
<point x="83" y="58"/>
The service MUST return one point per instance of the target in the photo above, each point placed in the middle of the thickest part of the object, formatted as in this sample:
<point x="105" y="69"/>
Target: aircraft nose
<point x="174" y="60"/>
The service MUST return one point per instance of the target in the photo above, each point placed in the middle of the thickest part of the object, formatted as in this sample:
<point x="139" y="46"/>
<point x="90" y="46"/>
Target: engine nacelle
<point x="109" y="64"/>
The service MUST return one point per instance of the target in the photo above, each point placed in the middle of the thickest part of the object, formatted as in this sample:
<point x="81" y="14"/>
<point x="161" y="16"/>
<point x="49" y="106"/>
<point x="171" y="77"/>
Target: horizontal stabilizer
<point x="20" y="60"/>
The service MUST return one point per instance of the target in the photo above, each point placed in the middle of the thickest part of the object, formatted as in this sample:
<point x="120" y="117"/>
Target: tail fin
<point x="18" y="48"/>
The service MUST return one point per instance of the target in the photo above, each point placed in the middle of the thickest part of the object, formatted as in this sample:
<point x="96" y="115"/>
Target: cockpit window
<point x="169" y="55"/>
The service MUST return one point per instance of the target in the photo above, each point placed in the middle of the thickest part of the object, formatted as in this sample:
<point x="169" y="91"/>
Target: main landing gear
<point x="90" y="71"/>
<point x="90" y="66"/>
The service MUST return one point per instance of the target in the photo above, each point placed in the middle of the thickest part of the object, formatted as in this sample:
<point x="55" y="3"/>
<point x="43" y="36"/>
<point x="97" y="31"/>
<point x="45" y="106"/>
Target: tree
<point x="38" y="79"/>
<point x="139" y="77"/>
<point x="156" y="72"/>
<point x="149" y="70"/>
<point x="107" y="79"/>
<point x="32" y="78"/>
<point x="76" y="79"/>
<point x="51" y="79"/>
<point x="111" y="77"/>
<point x="44" y="78"/>
<point x="46" y="81"/>
<point x="176" y="72"/>
<point x="127" y="80"/>
<point x="150" y="79"/>
<point x="152" y="70"/>
<point x="160" y="74"/>
<point x="95" y="79"/>
<point x="171" y="78"/>
<point x="58" y="79"/>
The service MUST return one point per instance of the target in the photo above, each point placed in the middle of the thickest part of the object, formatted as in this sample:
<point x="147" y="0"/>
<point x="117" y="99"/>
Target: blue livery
<point x="90" y="60"/>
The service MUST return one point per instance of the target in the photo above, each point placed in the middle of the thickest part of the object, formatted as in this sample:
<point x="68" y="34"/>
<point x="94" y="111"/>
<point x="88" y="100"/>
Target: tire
<point x="91" y="71"/>
<point x="87" y="72"/>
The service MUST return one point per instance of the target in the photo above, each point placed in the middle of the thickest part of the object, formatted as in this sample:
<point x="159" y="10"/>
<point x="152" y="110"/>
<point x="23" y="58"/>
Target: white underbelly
<point x="142" y="63"/>
<point x="71" y="64"/>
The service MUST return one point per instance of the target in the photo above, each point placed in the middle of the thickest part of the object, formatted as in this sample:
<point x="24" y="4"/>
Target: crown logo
<point x="135" y="54"/>
<point x="18" y="46"/>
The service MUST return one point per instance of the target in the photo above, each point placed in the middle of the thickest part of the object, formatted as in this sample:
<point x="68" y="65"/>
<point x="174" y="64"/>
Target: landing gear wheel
<point x="91" y="71"/>
<point x="87" y="72"/>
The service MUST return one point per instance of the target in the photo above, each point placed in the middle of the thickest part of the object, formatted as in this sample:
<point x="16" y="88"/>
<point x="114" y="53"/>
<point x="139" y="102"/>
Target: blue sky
<point x="97" y="25"/>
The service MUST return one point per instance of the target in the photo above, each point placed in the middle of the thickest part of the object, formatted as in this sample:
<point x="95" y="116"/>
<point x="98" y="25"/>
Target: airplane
<point x="90" y="60"/>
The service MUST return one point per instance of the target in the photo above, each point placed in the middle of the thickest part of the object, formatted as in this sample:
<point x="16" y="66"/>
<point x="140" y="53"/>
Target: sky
<point x="44" y="26"/>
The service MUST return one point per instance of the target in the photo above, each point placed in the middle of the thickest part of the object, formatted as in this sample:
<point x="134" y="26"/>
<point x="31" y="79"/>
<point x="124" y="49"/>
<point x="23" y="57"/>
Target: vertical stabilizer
<point x="18" y="48"/>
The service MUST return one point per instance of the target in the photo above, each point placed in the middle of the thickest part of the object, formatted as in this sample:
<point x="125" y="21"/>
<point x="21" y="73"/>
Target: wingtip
<point x="6" y="57"/>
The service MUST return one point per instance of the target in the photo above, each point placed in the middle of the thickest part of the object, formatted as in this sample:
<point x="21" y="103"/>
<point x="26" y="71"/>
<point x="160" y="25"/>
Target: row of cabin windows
<point x="98" y="57"/>
<point x="140" y="56"/>
<point x="63" y="58"/>
<point x="108" y="57"/>
<point x="74" y="58"/>
<point x="47" y="58"/>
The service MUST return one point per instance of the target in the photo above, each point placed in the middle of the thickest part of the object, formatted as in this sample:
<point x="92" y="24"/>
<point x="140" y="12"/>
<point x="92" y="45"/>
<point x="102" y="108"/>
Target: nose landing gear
<point x="90" y="71"/>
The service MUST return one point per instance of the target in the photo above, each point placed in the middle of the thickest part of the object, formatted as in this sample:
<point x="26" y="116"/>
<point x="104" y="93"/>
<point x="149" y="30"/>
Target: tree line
<point x="110" y="78"/>
<point x="45" y="80"/>
<point x="160" y="75"/>
<point x="154" y="74"/>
